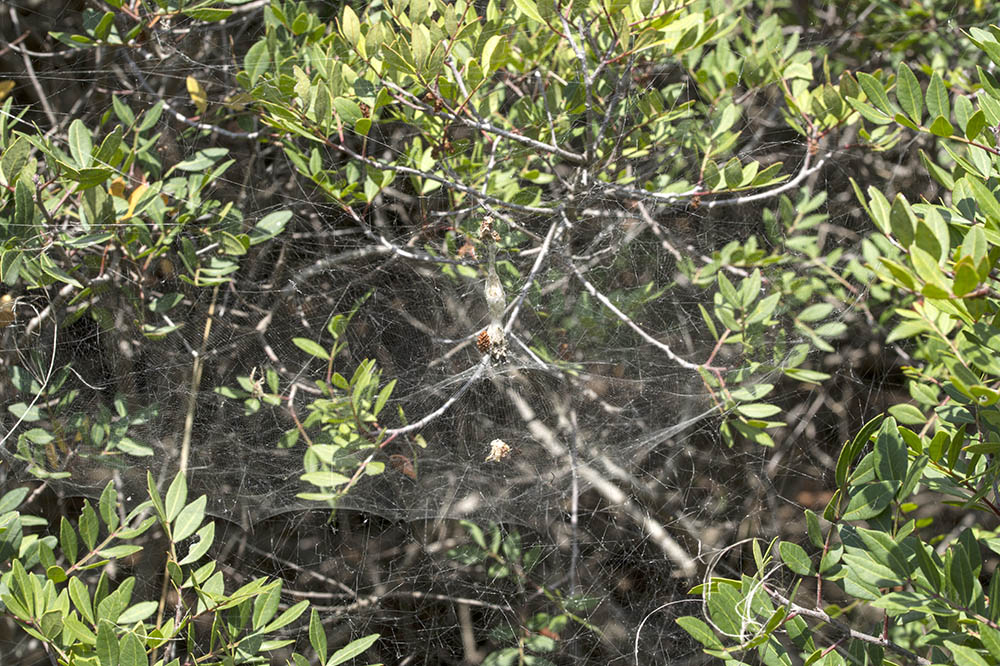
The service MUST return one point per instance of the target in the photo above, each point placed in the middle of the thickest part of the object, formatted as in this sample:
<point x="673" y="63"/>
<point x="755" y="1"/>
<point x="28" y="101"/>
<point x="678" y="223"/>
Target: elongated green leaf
<point x="81" y="599"/>
<point x="131" y="651"/>
<point x="529" y="9"/>
<point x="107" y="643"/>
<point x="67" y="540"/>
<point x="990" y="638"/>
<point x="965" y="656"/>
<point x="13" y="160"/>
<point x="311" y="347"/>
<point x="700" y="631"/>
<point x="257" y="60"/>
<point x="266" y="605"/>
<point x="351" y="26"/>
<point x="88" y="525"/>
<point x="206" y="535"/>
<point x="870" y="499"/>
<point x="108" y="506"/>
<point x="902" y="221"/>
<point x="908" y="92"/>
<point x="875" y="92"/>
<point x="287" y="617"/>
<point x="189" y="519"/>
<point x="176" y="496"/>
<point x="937" y="98"/>
<point x="81" y="143"/>
<point x="154" y="495"/>
<point x="138" y="612"/>
<point x="352" y="650"/>
<point x="795" y="558"/>
<point x="977" y="123"/>
<point x="317" y="636"/>
<point x="890" y="452"/>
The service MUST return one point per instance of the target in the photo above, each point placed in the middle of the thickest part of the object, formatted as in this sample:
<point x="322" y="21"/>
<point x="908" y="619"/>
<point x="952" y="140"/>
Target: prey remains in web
<point x="492" y="340"/>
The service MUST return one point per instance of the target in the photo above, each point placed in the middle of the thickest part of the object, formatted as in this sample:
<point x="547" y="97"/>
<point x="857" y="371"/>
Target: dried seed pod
<point x="483" y="342"/>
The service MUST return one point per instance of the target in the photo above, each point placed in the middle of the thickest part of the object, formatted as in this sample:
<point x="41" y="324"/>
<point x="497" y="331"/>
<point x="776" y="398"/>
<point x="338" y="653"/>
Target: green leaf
<point x="759" y="410"/>
<point x="317" y="636"/>
<point x="12" y="499"/>
<point x="906" y="122"/>
<point x="941" y="127"/>
<point x="189" y="519"/>
<point x="815" y="312"/>
<point x="928" y="566"/>
<point x="81" y="143"/>
<point x="81" y="599"/>
<point x="286" y="618"/>
<point x="529" y="9"/>
<point x="350" y="26"/>
<point x="723" y="608"/>
<point x="208" y="14"/>
<point x="176" y="496"/>
<point x="700" y="631"/>
<point x="796" y="558"/>
<point x="257" y="60"/>
<point x="870" y="499"/>
<point x="733" y="173"/>
<point x="131" y="651"/>
<point x="964" y="656"/>
<point x="15" y="157"/>
<point x="907" y="414"/>
<point x="890" y="452"/>
<point x="326" y="479"/>
<point x="909" y="94"/>
<point x="313" y="348"/>
<point x="266" y="605"/>
<point x="138" y="612"/>
<point x="270" y="226"/>
<point x="902" y="221"/>
<point x="123" y="111"/>
<point x="88" y="525"/>
<point x="966" y="276"/>
<point x="206" y="535"/>
<point x="937" y="98"/>
<point x="154" y="496"/>
<point x="990" y="638"/>
<point x="488" y="65"/>
<point x="383" y="396"/>
<point x="352" y="650"/>
<point x="813" y="529"/>
<point x="875" y="92"/>
<point x="986" y="201"/>
<point x="67" y="540"/>
<point x="121" y="550"/>
<point x="107" y="643"/>
<point x="977" y="123"/>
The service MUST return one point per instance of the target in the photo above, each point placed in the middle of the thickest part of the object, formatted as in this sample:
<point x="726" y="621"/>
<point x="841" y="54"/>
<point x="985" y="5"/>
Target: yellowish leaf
<point x="198" y="94"/>
<point x="5" y="88"/>
<point x="134" y="199"/>
<point x="237" y="102"/>
<point x="117" y="188"/>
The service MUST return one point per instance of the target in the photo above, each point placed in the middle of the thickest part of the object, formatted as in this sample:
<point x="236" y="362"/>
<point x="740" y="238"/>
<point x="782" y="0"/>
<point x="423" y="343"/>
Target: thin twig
<point x="822" y="616"/>
<point x="196" y="370"/>
<point x="606" y="302"/>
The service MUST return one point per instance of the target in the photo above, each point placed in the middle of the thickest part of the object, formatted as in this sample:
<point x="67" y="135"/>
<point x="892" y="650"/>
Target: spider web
<point x="616" y="468"/>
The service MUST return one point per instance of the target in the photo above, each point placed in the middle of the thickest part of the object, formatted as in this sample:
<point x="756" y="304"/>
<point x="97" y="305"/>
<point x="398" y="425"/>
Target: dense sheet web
<point x="611" y="456"/>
